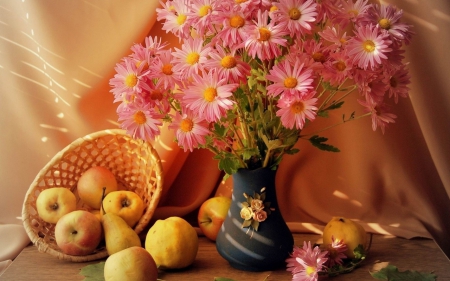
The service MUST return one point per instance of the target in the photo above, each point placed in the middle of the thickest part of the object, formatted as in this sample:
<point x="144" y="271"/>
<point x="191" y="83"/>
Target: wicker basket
<point x="135" y="164"/>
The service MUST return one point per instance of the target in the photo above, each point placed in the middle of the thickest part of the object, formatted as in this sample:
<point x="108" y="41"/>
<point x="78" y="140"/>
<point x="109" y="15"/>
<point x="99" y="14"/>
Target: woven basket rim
<point x="41" y="244"/>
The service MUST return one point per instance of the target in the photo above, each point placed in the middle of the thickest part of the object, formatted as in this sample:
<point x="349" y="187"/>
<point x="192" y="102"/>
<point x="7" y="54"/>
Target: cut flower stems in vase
<point x="249" y="76"/>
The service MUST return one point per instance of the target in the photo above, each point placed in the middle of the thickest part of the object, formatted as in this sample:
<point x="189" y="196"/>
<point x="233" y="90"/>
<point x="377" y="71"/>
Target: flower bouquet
<point x="250" y="75"/>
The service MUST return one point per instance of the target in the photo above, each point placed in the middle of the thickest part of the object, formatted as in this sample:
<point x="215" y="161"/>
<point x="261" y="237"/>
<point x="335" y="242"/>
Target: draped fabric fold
<point x="56" y="59"/>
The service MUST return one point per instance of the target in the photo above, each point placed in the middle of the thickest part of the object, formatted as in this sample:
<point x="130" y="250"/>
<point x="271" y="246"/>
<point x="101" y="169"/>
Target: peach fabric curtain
<point x="56" y="59"/>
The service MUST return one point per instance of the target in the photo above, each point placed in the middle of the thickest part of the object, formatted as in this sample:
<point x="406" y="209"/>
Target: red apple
<point x="211" y="215"/>
<point x="78" y="233"/>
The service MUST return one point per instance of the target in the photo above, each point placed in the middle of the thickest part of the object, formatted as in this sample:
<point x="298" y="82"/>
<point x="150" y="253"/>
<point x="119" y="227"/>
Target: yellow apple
<point x="53" y="203"/>
<point x="211" y="215"/>
<point x="131" y="264"/>
<point x="124" y="203"/>
<point x="346" y="230"/>
<point x="91" y="183"/>
<point x="173" y="243"/>
<point x="78" y="233"/>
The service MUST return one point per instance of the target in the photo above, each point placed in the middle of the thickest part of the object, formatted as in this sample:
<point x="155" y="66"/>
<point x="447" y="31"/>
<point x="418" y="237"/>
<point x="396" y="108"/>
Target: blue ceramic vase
<point x="246" y="248"/>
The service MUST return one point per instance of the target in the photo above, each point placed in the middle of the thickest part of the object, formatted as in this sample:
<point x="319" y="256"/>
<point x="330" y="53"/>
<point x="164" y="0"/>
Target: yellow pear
<point x="131" y="264"/>
<point x="346" y="230"/>
<point x="118" y="234"/>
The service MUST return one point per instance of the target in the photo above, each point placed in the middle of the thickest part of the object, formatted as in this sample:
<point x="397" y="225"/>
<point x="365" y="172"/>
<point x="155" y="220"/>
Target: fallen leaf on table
<point x="391" y="273"/>
<point x="93" y="272"/>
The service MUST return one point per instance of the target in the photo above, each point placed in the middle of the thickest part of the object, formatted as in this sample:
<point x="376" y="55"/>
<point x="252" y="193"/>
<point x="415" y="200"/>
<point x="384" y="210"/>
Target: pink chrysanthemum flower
<point x="369" y="46"/>
<point x="235" y="27"/>
<point x="174" y="14"/>
<point x="191" y="58"/>
<point x="202" y="14"/>
<point x="335" y="36"/>
<point x="336" y="252"/>
<point x="128" y="78"/>
<point x="397" y="81"/>
<point x="190" y="130"/>
<point x="305" y="264"/>
<point x="380" y="114"/>
<point x="228" y="65"/>
<point x="265" y="38"/>
<point x="350" y="12"/>
<point x="294" y="111"/>
<point x="140" y="120"/>
<point x="209" y="97"/>
<point x="338" y="68"/>
<point x="327" y="9"/>
<point x="296" y="15"/>
<point x="388" y="18"/>
<point x="289" y="80"/>
<point x="316" y="50"/>
<point x="154" y="45"/>
<point x="162" y="69"/>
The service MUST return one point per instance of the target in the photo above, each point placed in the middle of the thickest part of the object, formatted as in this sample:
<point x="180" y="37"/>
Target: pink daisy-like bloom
<point x="201" y="15"/>
<point x="388" y="18"/>
<point x="154" y="45"/>
<point x="191" y="58"/>
<point x="289" y="80"/>
<point x="128" y="78"/>
<point x="380" y="114"/>
<point x="338" y="68"/>
<point x="335" y="36"/>
<point x="228" y="65"/>
<point x="140" y="120"/>
<point x="235" y="27"/>
<point x="397" y="81"/>
<point x="369" y="46"/>
<point x="305" y="264"/>
<point x="316" y="50"/>
<point x="336" y="252"/>
<point x="174" y="15"/>
<point x="162" y="69"/>
<point x="190" y="130"/>
<point x="350" y="12"/>
<point x="265" y="38"/>
<point x="294" y="111"/>
<point x="209" y="97"/>
<point x="296" y="15"/>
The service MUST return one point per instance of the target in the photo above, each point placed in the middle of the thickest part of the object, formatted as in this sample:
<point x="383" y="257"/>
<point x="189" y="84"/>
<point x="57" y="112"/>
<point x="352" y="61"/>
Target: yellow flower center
<point x="393" y="82"/>
<point x="290" y="82"/>
<point x="156" y="95"/>
<point x="273" y="9"/>
<point x="210" y="94"/>
<point x="167" y="69"/>
<point x="192" y="58"/>
<point x="343" y="41"/>
<point x="353" y="13"/>
<point x="228" y="62"/>
<point x="139" y="118"/>
<point x="385" y="23"/>
<point x="264" y="34"/>
<point x="318" y="57"/>
<point x="181" y="19"/>
<point x="131" y="80"/>
<point x="237" y="21"/>
<point x="186" y="125"/>
<point x="204" y="10"/>
<point x="310" y="270"/>
<point x="340" y="66"/>
<point x="297" y="107"/>
<point x="294" y="14"/>
<point x="240" y="1"/>
<point x="369" y="46"/>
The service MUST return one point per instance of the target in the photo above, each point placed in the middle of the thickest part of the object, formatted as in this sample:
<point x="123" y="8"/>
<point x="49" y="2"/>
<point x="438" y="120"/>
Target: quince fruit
<point x="350" y="232"/>
<point x="126" y="204"/>
<point x="173" y="243"/>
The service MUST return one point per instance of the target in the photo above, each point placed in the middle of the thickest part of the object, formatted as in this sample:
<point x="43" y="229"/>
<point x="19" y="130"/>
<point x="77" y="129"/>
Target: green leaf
<point x="335" y="105"/>
<point x="93" y="272"/>
<point x="319" y="142"/>
<point x="228" y="165"/>
<point x="391" y="273"/>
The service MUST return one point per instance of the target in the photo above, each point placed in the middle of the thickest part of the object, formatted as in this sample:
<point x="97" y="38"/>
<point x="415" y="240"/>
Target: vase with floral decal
<point x="254" y="235"/>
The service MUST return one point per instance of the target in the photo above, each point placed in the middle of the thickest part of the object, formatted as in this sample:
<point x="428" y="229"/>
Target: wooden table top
<point x="416" y="255"/>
